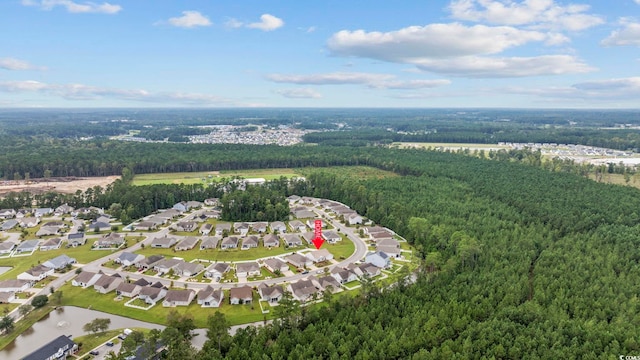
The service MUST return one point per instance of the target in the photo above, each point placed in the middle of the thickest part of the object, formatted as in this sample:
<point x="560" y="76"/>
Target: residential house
<point x="230" y="242"/>
<point x="211" y="214"/>
<point x="7" y="297"/>
<point x="7" y="213"/>
<point x="107" y="284"/>
<point x="278" y="227"/>
<point x="105" y="218"/>
<point x="181" y="206"/>
<point x="129" y="290"/>
<point x="259" y="227"/>
<point x="298" y="260"/>
<point x="60" y="262"/>
<point x="212" y="202"/>
<point x="311" y="223"/>
<point x="6" y="247"/>
<point x="391" y="251"/>
<point x="165" y="265"/>
<point x="209" y="297"/>
<point x="309" y="236"/>
<point x="22" y="213"/>
<point x="63" y="209"/>
<point x="187" y="243"/>
<point x="146" y="226"/>
<point x="164" y="242"/>
<point x="56" y="224"/>
<point x="43" y="212"/>
<point x="109" y="241"/>
<point x="249" y="242"/>
<point x="76" y="239"/>
<point x="9" y="224"/>
<point x="58" y="348"/>
<point x="29" y="222"/>
<point x="303" y="290"/>
<point x="99" y="226"/>
<point x="193" y="204"/>
<point x="240" y="295"/>
<point x="217" y="271"/>
<point x="241" y="228"/>
<point x="321" y="255"/>
<point x="151" y="295"/>
<point x="291" y="240"/>
<point x="206" y="229"/>
<point x="47" y="231"/>
<point x="15" y="285"/>
<point x="143" y="282"/>
<point x="187" y="226"/>
<point x="329" y="282"/>
<point x="27" y="246"/>
<point x="51" y="244"/>
<point x="188" y="269"/>
<point x="354" y="219"/>
<point x="220" y="229"/>
<point x="129" y="259"/>
<point x="293" y="199"/>
<point x="246" y="269"/>
<point x="308" y="200"/>
<point x="367" y="270"/>
<point x="169" y="214"/>
<point x="331" y="236"/>
<point x="297" y="226"/>
<point x="36" y="273"/>
<point x="304" y="214"/>
<point x="150" y="262"/>
<point x="343" y="276"/>
<point x="209" y="242"/>
<point x="86" y="279"/>
<point x="379" y="259"/>
<point x="178" y="298"/>
<point x="270" y="294"/>
<point x="157" y="220"/>
<point x="270" y="240"/>
<point x="389" y="243"/>
<point x="275" y="264"/>
<point x="380" y="236"/>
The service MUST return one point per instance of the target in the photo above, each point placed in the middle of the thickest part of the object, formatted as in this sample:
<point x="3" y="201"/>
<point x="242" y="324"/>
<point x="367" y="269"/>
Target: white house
<point x="247" y="269"/>
<point x="178" y="298"/>
<point x="319" y="255"/>
<point x="209" y="297"/>
<point x="379" y="259"/>
<point x="86" y="279"/>
<point x="36" y="273"/>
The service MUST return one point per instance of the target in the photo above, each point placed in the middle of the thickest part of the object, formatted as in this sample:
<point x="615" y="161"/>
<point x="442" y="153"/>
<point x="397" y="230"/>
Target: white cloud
<point x="233" y="23"/>
<point x="598" y="90"/>
<point x="16" y="64"/>
<point x="538" y="13"/>
<point x="374" y="81"/>
<point x="301" y="93"/>
<point x="267" y="22"/>
<point x="87" y="92"/>
<point x="494" y="67"/>
<point x="190" y="19"/>
<point x="629" y="34"/>
<point x="75" y="7"/>
<point x="430" y="41"/>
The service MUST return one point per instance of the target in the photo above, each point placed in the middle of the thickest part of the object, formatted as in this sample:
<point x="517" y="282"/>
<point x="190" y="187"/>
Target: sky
<point x="320" y="53"/>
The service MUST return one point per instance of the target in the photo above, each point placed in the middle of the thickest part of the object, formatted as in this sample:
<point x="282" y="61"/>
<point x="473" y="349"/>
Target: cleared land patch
<point x="210" y="176"/>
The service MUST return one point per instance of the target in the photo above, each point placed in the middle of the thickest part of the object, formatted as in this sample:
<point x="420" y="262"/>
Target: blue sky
<point x="320" y="53"/>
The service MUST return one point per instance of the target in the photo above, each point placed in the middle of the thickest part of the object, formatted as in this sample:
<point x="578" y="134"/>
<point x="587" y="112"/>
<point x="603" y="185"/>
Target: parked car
<point x="109" y="343"/>
<point x="94" y="352"/>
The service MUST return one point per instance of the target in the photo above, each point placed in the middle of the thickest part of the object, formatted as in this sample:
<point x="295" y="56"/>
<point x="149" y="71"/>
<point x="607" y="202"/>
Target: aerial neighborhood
<point x="186" y="256"/>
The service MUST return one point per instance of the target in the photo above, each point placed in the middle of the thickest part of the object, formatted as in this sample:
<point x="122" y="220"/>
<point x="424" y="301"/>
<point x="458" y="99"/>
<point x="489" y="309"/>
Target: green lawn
<point x="236" y="314"/>
<point x="22" y="263"/>
<point x="89" y="342"/>
<point x="210" y="176"/>
<point x="341" y="250"/>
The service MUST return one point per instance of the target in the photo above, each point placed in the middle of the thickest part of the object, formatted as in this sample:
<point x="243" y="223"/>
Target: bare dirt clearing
<point x="67" y="185"/>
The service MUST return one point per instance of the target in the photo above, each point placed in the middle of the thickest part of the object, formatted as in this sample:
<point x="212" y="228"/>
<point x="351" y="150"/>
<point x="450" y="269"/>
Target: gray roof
<point x="210" y="291"/>
<point x="85" y="276"/>
<point x="220" y="267"/>
<point x="28" y="245"/>
<point x="128" y="256"/>
<point x="60" y="261"/>
<point x="243" y="292"/>
<point x="51" y="348"/>
<point x="209" y="242"/>
<point x="6" y="245"/>
<point x="187" y="243"/>
<point x="178" y="295"/>
<point x="247" y="266"/>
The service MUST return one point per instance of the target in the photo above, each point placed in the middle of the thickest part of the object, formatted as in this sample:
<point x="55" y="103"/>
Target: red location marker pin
<point x="318" y="240"/>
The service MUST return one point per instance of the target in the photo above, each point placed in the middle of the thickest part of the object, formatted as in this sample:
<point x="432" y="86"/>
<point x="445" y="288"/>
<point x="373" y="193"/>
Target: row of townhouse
<point x="25" y="280"/>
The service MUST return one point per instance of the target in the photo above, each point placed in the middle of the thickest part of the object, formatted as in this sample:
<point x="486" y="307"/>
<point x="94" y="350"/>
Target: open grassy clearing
<point x="210" y="176"/>
<point x="356" y="172"/>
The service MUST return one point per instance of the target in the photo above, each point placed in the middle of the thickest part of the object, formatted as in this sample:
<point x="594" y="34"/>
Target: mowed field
<point x="210" y="176"/>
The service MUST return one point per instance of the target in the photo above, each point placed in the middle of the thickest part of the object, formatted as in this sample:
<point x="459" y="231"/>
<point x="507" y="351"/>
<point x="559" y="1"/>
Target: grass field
<point x="210" y="176"/>
<point x="356" y="172"/>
